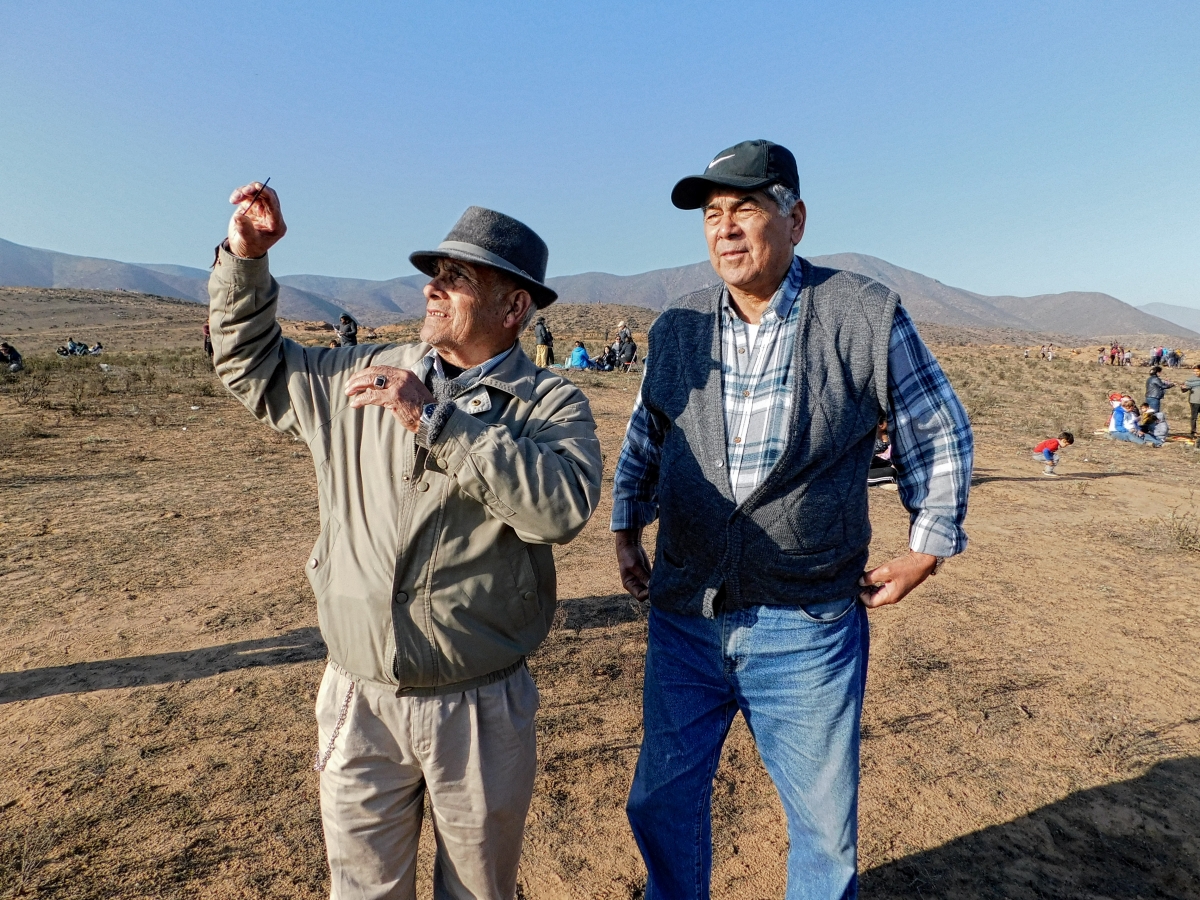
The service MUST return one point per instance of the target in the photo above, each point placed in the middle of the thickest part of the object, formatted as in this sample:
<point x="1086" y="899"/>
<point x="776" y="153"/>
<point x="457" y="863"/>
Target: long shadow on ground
<point x="301" y="645"/>
<point x="1133" y="839"/>
<point x="1069" y="476"/>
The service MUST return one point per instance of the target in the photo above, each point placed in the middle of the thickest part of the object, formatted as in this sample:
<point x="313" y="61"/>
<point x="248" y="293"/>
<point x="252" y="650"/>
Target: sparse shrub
<point x="1180" y="529"/>
<point x="29" y="388"/>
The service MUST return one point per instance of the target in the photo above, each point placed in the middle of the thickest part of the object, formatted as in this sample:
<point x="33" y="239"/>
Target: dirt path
<point x="1031" y="726"/>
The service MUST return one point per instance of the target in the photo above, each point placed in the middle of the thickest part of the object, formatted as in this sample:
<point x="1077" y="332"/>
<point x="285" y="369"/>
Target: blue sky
<point x="1010" y="147"/>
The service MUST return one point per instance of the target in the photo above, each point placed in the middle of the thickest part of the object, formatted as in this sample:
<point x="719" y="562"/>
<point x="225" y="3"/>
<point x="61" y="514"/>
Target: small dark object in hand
<point x="254" y="199"/>
<point x="380" y="381"/>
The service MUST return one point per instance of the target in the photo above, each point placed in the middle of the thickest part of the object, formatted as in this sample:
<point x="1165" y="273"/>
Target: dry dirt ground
<point x="1032" y="723"/>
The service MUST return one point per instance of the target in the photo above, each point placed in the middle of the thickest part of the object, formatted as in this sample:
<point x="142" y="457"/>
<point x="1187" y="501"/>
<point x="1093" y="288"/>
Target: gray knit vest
<point x="802" y="537"/>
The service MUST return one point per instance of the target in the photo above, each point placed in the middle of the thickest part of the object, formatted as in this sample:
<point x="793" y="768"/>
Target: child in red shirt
<point x="1048" y="450"/>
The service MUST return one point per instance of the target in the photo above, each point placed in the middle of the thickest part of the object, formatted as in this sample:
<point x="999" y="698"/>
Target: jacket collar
<point x="515" y="374"/>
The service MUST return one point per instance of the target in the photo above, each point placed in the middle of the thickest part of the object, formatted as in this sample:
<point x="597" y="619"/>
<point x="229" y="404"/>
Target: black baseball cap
<point x="749" y="165"/>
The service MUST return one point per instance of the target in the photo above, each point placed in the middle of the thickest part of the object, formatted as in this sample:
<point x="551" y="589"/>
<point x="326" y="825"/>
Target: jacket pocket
<point x="319" y="566"/>
<point x="526" y="579"/>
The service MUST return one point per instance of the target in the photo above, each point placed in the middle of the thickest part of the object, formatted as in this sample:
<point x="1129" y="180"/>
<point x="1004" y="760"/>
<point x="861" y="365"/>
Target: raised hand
<point x="255" y="227"/>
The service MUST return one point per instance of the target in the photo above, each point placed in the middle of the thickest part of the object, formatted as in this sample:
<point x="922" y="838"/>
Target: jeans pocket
<point x="829" y="611"/>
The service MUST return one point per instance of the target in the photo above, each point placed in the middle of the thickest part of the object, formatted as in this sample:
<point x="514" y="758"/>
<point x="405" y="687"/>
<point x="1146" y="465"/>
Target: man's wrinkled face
<point x="748" y="238"/>
<point x="460" y="310"/>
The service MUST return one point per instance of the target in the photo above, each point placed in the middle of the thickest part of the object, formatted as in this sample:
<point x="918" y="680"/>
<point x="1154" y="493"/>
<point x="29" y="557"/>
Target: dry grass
<point x="1030" y="669"/>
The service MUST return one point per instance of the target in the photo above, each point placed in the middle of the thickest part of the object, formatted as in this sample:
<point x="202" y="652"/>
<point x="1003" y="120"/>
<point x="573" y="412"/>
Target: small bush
<point x="1180" y="529"/>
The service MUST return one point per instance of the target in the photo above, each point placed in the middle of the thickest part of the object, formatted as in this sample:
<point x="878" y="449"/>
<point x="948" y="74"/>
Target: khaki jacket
<point x="434" y="570"/>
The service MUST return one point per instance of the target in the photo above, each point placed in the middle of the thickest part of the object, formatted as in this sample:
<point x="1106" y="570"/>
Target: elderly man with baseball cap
<point x="750" y="442"/>
<point x="446" y="470"/>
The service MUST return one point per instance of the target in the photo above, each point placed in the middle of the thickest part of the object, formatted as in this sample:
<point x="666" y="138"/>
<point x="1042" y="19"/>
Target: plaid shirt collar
<point x="757" y="384"/>
<point x="781" y="303"/>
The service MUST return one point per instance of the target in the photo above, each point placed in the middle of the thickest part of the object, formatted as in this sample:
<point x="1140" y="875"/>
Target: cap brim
<point x="693" y="192"/>
<point x="426" y="262"/>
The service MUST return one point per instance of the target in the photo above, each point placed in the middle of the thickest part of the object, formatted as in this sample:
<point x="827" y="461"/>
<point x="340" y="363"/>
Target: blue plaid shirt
<point x="931" y="437"/>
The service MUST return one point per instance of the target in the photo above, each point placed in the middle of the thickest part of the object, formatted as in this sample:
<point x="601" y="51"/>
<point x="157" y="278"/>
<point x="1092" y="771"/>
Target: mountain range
<point x="321" y="297"/>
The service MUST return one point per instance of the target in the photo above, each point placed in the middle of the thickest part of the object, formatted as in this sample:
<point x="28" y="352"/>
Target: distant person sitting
<point x="95" y="350"/>
<point x="72" y="348"/>
<point x="1151" y="424"/>
<point x="10" y="359"/>
<point x="606" y="361"/>
<point x="882" y="472"/>
<point x="1048" y="451"/>
<point x="579" y="357"/>
<point x="1123" y="423"/>
<point x="1192" y="386"/>
<point x="347" y="332"/>
<point x="628" y="355"/>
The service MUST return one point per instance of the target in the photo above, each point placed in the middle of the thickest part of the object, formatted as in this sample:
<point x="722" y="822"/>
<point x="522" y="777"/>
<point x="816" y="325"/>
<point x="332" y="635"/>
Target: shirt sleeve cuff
<point x="936" y="535"/>
<point x="239" y="270"/>
<point x="628" y="514"/>
<point x="431" y="426"/>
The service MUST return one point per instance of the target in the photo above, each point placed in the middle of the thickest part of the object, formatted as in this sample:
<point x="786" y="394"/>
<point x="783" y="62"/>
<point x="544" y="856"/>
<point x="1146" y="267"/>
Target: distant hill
<point x="1183" y="316"/>
<point x="30" y="267"/>
<point x="323" y="297"/>
<point x="370" y="301"/>
<point x="1074" y="312"/>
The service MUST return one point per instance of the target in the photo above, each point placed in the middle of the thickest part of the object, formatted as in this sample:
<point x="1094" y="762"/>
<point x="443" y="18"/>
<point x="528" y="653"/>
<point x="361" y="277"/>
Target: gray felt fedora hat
<point x="488" y="238"/>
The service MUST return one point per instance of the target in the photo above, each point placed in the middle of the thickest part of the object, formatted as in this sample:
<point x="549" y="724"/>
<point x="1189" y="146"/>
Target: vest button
<point x="401" y="597"/>
<point x="422" y="486"/>
<point x="530" y="597"/>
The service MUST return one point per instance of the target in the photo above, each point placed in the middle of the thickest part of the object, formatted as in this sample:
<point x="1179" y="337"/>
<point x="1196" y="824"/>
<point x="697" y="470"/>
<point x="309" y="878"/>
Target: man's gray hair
<point x="785" y="198"/>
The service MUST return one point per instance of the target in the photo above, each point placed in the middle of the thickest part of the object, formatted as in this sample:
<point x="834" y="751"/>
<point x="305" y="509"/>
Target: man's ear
<point x="517" y="305"/>
<point x="799" y="217"/>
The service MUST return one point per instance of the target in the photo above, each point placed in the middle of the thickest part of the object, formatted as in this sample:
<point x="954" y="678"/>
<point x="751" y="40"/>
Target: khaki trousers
<point x="541" y="356"/>
<point x="473" y="752"/>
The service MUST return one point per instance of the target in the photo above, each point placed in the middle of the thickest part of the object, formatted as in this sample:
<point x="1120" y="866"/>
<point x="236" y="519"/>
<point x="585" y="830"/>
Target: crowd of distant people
<point x="1147" y="423"/>
<point x="1117" y="355"/>
<point x="79" y="348"/>
<point x="619" y="356"/>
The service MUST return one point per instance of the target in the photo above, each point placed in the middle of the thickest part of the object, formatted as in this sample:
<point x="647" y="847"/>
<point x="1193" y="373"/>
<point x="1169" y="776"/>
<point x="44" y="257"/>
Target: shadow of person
<point x="978" y="479"/>
<point x="300" y="645"/>
<point x="1132" y="839"/>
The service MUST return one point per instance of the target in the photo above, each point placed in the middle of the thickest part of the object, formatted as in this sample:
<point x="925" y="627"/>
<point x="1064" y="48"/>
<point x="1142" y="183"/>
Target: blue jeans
<point x="1155" y="403"/>
<point x="798" y="678"/>
<point x="1126" y="436"/>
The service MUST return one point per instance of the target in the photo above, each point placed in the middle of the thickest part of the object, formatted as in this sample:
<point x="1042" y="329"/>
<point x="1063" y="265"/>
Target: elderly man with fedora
<point x="750" y="442"/>
<point x="446" y="470"/>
